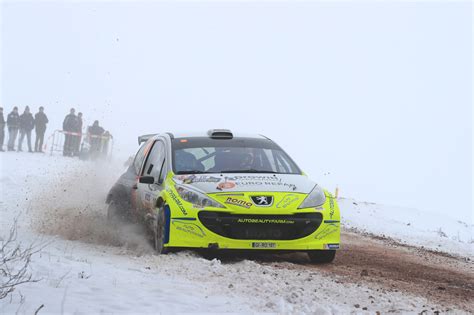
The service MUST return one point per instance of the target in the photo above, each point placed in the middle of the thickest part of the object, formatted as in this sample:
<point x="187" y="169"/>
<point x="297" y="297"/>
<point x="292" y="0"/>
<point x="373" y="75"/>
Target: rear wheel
<point x="322" y="256"/>
<point x="159" y="232"/>
<point x="115" y="213"/>
<point x="112" y="212"/>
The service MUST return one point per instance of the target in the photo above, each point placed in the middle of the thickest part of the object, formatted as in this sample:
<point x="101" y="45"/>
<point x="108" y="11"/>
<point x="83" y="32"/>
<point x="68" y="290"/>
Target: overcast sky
<point x="375" y="97"/>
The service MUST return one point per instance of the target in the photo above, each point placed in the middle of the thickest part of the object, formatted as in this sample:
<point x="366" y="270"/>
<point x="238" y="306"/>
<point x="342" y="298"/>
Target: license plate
<point x="263" y="245"/>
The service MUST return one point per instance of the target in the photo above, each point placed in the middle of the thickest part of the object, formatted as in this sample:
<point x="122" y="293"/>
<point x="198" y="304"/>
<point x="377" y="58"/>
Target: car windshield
<point x="238" y="155"/>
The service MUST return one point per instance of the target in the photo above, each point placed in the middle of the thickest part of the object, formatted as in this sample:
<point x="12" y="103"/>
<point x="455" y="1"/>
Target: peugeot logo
<point x="262" y="201"/>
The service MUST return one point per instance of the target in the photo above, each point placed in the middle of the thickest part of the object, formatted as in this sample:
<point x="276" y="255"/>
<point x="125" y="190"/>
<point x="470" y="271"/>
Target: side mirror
<point x="146" y="180"/>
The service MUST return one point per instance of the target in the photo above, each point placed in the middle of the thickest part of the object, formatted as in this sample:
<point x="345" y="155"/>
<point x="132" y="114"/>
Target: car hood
<point x="215" y="183"/>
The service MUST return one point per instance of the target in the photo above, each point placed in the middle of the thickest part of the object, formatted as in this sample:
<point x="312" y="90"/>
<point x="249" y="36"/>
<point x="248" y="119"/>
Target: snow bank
<point x="409" y="226"/>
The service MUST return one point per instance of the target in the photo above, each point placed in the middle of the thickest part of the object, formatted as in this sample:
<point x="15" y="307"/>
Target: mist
<point x="379" y="108"/>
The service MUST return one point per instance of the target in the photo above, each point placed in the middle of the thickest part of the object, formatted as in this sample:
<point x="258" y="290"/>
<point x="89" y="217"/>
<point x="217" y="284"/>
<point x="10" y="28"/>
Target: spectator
<point x="40" y="128"/>
<point x="78" y="137"/>
<point x="95" y="134"/>
<point x="13" y="124"/>
<point x="27" y="123"/>
<point x="69" y="126"/>
<point x="2" y="129"/>
<point x="105" y="143"/>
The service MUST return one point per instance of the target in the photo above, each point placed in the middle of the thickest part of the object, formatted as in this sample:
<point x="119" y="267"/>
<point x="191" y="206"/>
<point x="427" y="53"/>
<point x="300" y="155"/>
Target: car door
<point x="154" y="164"/>
<point x="136" y="169"/>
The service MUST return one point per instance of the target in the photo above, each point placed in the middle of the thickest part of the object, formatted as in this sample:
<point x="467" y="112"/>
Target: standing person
<point x="13" y="124"/>
<point x="40" y="128"/>
<point x="69" y="125"/>
<point x="78" y="137"/>
<point x="95" y="133"/>
<point x="27" y="123"/>
<point x="105" y="143"/>
<point x="2" y="129"/>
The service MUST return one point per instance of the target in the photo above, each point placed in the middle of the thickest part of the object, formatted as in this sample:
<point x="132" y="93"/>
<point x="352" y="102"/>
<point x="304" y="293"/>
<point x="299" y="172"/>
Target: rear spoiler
<point x="145" y="138"/>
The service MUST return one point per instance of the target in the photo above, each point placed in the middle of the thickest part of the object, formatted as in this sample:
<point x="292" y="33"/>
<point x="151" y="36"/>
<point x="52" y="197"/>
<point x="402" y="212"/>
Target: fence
<point x="83" y="145"/>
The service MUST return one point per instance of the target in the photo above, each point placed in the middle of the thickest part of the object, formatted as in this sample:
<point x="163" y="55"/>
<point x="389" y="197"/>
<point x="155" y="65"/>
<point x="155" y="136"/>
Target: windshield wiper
<point x="249" y="171"/>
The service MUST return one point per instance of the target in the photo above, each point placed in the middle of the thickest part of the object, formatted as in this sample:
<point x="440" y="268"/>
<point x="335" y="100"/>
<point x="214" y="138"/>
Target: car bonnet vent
<point x="220" y="134"/>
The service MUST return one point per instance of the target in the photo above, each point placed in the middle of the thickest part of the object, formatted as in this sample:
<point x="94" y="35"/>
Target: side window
<point x="154" y="160"/>
<point x="140" y="156"/>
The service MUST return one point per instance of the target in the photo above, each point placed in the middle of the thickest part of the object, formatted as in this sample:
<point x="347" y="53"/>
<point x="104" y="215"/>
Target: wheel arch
<point x="160" y="202"/>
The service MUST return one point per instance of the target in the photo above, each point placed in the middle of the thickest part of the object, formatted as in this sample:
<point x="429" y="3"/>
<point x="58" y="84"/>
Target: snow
<point x="410" y="226"/>
<point x="87" y="267"/>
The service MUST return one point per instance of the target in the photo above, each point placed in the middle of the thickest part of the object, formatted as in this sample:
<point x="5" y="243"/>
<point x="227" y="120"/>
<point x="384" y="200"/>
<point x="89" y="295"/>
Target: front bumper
<point x="309" y="231"/>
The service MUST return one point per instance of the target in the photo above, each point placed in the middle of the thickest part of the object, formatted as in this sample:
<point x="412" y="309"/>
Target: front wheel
<point x="322" y="256"/>
<point x="159" y="232"/>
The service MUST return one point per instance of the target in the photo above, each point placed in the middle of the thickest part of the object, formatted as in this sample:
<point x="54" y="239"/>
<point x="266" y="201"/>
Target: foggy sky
<point x="375" y="97"/>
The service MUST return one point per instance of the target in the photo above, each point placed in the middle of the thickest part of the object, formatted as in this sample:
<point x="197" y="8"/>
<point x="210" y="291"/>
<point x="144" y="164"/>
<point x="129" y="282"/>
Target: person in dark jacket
<point x="40" y="128"/>
<point x="95" y="135"/>
<point x="69" y="126"/>
<point x="13" y="124"/>
<point x="2" y="129"/>
<point x="78" y="137"/>
<point x="27" y="123"/>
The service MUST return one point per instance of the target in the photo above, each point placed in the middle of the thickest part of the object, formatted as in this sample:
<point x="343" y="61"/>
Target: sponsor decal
<point x="177" y="201"/>
<point x="190" y="179"/>
<point x="259" y="180"/>
<point x="287" y="200"/>
<point x="238" y="202"/>
<point x="225" y="185"/>
<point x="327" y="230"/>
<point x="266" y="221"/>
<point x="331" y="206"/>
<point x="266" y="178"/>
<point x="262" y="201"/>
<point x="331" y="246"/>
<point x="190" y="228"/>
<point x="263" y="245"/>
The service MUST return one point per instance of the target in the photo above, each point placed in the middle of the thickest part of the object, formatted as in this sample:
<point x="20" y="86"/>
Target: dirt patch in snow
<point x="443" y="280"/>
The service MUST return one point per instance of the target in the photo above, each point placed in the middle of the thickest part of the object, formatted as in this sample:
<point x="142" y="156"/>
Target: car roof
<point x="213" y="133"/>
<point x="206" y="134"/>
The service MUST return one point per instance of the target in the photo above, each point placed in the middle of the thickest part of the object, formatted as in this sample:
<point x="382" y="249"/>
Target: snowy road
<point x="89" y="268"/>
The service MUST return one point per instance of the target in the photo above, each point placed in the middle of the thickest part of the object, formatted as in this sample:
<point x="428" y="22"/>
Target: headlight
<point x="196" y="198"/>
<point x="315" y="198"/>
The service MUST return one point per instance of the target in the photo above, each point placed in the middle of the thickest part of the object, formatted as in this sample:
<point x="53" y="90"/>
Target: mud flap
<point x="167" y="224"/>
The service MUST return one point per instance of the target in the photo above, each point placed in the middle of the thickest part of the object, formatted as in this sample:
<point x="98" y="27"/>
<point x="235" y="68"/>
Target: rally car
<point x="220" y="190"/>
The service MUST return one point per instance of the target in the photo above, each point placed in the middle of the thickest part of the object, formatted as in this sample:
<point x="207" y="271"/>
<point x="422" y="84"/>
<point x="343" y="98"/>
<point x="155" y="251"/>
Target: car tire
<point x="115" y="213"/>
<point x="322" y="256"/>
<point x="159" y="232"/>
<point x="112" y="212"/>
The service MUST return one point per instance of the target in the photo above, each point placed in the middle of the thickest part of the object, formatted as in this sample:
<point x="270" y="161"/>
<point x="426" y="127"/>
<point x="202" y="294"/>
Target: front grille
<point x="260" y="227"/>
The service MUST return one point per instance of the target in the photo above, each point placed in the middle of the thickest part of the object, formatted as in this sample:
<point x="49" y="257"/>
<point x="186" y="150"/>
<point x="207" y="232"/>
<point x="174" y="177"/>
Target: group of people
<point x="23" y="124"/>
<point x="72" y="127"/>
<point x="98" y="138"/>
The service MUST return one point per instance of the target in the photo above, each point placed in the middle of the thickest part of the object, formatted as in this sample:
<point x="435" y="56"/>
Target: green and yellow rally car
<point x="224" y="191"/>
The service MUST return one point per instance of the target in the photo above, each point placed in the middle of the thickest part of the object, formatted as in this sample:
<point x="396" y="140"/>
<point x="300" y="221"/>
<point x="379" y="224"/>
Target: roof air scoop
<point x="145" y="138"/>
<point x="220" y="134"/>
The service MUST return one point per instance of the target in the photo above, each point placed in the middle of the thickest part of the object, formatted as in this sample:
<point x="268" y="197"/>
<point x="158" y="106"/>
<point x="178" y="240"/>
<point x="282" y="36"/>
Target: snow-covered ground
<point x="410" y="226"/>
<point x="88" y="268"/>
